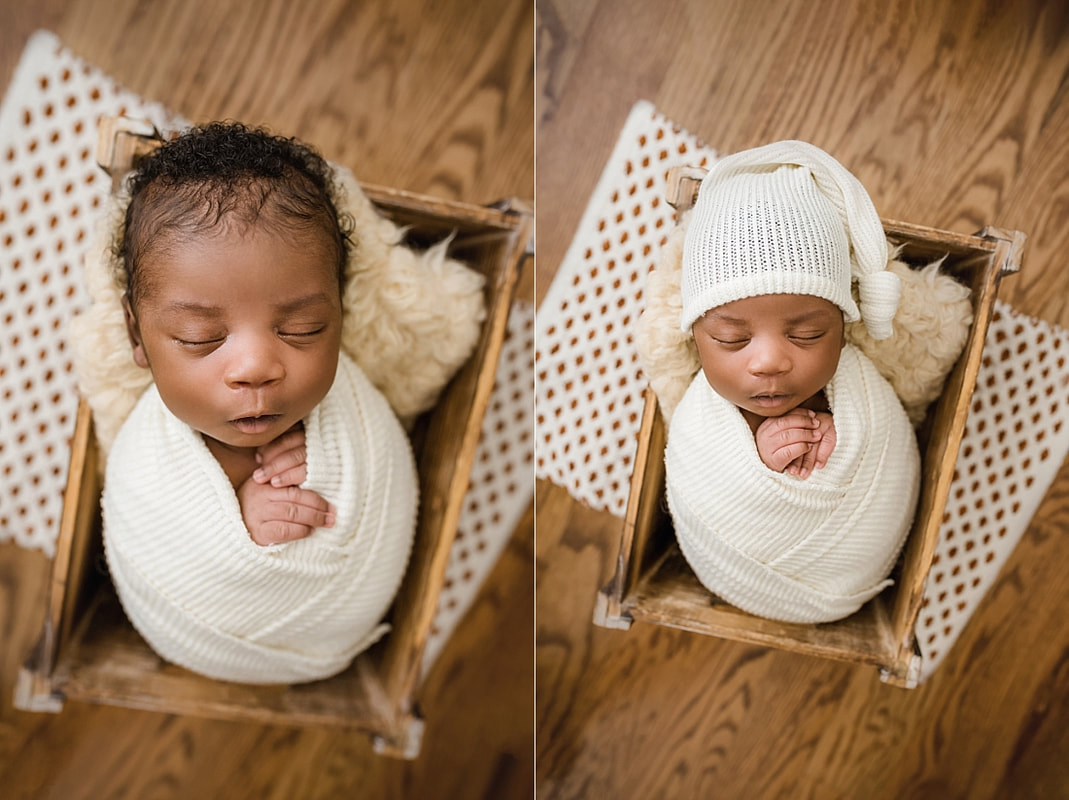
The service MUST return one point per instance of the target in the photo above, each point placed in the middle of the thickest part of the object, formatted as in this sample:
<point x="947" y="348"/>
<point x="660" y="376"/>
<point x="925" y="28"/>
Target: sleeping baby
<point x="792" y="470"/>
<point x="260" y="499"/>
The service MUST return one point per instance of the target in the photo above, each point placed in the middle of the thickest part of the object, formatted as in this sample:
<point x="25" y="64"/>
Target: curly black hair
<point x="225" y="171"/>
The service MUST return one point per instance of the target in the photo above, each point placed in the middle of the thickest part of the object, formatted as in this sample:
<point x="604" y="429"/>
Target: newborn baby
<point x="792" y="470"/>
<point x="260" y="500"/>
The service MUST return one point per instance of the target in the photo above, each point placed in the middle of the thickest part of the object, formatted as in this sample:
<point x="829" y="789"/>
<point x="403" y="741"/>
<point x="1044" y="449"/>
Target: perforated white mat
<point x="589" y="390"/>
<point x="50" y="188"/>
<point x="1016" y="439"/>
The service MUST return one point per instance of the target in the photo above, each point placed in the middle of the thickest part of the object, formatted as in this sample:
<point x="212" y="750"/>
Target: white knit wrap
<point x="206" y="597"/>
<point x="811" y="550"/>
<point x="787" y="218"/>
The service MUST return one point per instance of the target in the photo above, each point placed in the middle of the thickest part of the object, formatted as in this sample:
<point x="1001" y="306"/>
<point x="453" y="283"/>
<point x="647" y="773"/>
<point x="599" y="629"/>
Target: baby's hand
<point x="822" y="451"/>
<point x="794" y="441"/>
<point x="284" y="461"/>
<point x="275" y="514"/>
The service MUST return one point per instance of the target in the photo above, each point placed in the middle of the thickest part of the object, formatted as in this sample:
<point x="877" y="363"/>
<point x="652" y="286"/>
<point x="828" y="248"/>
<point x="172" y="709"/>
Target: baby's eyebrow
<point x="200" y="309"/>
<point x="207" y="310"/>
<point x="299" y="303"/>
<point x="719" y="316"/>
<point x="807" y="316"/>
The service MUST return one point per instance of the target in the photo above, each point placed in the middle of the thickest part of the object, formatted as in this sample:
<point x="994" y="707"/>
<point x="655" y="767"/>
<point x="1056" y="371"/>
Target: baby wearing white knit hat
<point x="792" y="470"/>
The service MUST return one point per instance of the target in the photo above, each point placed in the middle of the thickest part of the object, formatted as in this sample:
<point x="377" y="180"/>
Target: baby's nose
<point x="256" y="364"/>
<point x="769" y="360"/>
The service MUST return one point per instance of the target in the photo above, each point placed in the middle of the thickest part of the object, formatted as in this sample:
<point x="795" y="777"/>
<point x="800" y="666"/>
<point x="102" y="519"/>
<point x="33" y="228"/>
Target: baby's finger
<point x="791" y="453"/>
<point x="820" y="459"/>
<point x="294" y="437"/>
<point x="809" y="459"/>
<point x="280" y="462"/>
<point x="825" y="448"/>
<point x="279" y="532"/>
<point x="294" y="476"/>
<point x="798" y="418"/>
<point x="790" y="436"/>
<point x="304" y="507"/>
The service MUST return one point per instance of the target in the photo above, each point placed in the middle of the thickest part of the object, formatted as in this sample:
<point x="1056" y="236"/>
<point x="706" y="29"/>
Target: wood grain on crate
<point x="953" y="115"/>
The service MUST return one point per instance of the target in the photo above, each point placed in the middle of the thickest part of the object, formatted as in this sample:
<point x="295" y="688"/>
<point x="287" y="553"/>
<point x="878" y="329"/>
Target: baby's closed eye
<point x="807" y="336"/>
<point x="193" y="341"/>
<point x="302" y="331"/>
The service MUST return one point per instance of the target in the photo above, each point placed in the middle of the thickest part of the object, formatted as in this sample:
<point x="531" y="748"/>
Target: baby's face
<point x="241" y="330"/>
<point x="769" y="354"/>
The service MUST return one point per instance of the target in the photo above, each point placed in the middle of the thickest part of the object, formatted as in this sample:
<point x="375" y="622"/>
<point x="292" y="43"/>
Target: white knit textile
<point x="794" y="550"/>
<point x="206" y="597"/>
<point x="786" y="218"/>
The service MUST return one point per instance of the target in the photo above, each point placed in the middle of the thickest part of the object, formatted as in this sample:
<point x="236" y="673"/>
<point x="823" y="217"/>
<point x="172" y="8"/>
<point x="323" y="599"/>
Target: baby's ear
<point x="134" y="332"/>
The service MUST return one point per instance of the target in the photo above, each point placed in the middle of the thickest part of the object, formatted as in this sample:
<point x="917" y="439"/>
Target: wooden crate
<point x="653" y="582"/>
<point x="88" y="651"/>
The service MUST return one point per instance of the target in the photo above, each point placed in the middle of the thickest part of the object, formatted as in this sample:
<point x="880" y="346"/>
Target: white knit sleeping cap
<point x="787" y="218"/>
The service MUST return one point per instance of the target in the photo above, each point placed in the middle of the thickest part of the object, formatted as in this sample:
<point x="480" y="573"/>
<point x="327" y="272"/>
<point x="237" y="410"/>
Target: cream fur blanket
<point x="810" y="550"/>
<point x="206" y="597"/>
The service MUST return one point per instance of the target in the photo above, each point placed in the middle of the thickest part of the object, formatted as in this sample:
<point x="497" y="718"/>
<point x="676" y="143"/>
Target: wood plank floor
<point x="430" y="97"/>
<point x="954" y="115"/>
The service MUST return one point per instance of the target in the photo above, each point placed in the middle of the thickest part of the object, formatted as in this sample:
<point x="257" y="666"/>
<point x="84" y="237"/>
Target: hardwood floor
<point x="954" y="115"/>
<point x="430" y="97"/>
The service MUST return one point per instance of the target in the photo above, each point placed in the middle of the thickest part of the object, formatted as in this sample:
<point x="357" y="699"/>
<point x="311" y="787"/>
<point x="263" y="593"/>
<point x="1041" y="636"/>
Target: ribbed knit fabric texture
<point x="206" y="597"/>
<point x="811" y="550"/>
<point x="786" y="218"/>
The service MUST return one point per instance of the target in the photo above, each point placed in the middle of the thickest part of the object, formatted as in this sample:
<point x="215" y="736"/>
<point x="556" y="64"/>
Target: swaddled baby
<point x="792" y="470"/>
<point x="260" y="500"/>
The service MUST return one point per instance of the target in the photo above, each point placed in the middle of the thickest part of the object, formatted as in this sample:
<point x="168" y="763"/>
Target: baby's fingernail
<point x="259" y="476"/>
<point x="331" y="519"/>
<point x="276" y="481"/>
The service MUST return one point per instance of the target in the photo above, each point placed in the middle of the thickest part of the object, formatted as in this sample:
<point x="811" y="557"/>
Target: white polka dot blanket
<point x="51" y="194"/>
<point x="589" y="384"/>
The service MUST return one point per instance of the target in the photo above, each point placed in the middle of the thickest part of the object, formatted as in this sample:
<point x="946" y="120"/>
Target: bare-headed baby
<point x="260" y="500"/>
<point x="791" y="468"/>
<point x="234" y="260"/>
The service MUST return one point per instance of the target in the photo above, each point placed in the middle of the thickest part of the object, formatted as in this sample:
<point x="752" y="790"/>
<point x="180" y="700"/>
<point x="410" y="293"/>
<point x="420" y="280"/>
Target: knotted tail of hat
<point x="879" y="290"/>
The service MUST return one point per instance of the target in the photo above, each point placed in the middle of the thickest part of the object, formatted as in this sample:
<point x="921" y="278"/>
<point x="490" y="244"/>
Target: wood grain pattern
<point x="433" y="98"/>
<point x="955" y="116"/>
